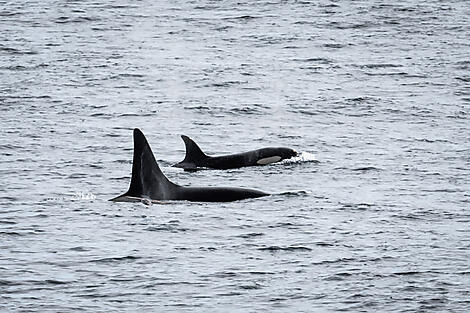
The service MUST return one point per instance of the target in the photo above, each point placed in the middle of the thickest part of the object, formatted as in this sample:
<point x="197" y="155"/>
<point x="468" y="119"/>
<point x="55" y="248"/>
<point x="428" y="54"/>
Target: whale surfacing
<point x="195" y="158"/>
<point x="149" y="183"/>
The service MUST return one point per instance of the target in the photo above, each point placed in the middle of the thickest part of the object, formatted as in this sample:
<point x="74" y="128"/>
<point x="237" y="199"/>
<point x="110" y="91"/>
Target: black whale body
<point x="195" y="158"/>
<point x="149" y="183"/>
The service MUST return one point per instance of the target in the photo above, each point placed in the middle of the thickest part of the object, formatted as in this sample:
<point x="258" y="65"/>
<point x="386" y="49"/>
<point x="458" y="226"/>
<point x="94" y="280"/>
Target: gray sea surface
<point x="378" y="92"/>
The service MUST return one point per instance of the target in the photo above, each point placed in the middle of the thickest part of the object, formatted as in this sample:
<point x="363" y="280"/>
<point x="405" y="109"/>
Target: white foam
<point x="77" y="196"/>
<point x="82" y="196"/>
<point x="302" y="157"/>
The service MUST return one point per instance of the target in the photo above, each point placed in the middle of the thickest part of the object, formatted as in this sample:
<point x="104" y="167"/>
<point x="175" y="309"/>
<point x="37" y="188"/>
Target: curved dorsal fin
<point x="147" y="180"/>
<point x="193" y="152"/>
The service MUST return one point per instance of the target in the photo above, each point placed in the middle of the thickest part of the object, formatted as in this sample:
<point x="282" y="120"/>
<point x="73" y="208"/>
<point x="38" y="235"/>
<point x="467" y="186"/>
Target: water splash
<point x="77" y="196"/>
<point x="301" y="157"/>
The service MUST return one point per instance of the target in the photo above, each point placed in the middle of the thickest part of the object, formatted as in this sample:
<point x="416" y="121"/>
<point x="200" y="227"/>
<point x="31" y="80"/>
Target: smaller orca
<point x="195" y="158"/>
<point x="149" y="184"/>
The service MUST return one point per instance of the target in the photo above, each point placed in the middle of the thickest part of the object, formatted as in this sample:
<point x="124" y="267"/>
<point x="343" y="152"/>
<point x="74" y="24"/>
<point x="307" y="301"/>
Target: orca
<point x="149" y="184"/>
<point x="195" y="158"/>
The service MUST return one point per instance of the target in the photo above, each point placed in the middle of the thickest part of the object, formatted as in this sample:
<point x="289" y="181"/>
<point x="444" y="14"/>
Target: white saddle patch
<point x="269" y="160"/>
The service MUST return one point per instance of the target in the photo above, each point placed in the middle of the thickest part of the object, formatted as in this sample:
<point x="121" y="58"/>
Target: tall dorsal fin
<point x="193" y="152"/>
<point x="147" y="180"/>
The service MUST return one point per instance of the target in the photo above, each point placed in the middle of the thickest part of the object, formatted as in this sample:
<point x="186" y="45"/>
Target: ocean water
<point x="374" y="217"/>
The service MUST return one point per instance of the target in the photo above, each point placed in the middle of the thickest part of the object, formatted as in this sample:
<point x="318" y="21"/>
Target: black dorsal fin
<point x="147" y="181"/>
<point x="194" y="154"/>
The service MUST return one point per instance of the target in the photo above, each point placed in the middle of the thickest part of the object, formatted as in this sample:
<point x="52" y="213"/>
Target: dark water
<point x="379" y="91"/>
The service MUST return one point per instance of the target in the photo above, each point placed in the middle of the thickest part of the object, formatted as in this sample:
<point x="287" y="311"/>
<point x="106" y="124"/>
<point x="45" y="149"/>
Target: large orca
<point x="149" y="183"/>
<point x="195" y="158"/>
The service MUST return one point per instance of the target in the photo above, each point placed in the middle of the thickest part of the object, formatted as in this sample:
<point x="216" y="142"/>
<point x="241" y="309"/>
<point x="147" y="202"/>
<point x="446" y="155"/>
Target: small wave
<point x="444" y="190"/>
<point x="366" y="168"/>
<point x="254" y="286"/>
<point x="289" y="248"/>
<point x="226" y="84"/>
<point x="53" y="282"/>
<point x="361" y="100"/>
<point x="10" y="147"/>
<point x="338" y="277"/>
<point x="245" y="110"/>
<point x="117" y="6"/>
<point x="463" y="78"/>
<point x="290" y="136"/>
<point x="253" y="109"/>
<point x="166" y="228"/>
<point x="22" y="67"/>
<point x="334" y="45"/>
<point x="16" y="51"/>
<point x="223" y="28"/>
<point x="407" y="273"/>
<point x="241" y="17"/>
<point x="339" y="260"/>
<point x="259" y="273"/>
<point x="226" y="274"/>
<point x="79" y="19"/>
<point x="10" y="233"/>
<point x="8" y="13"/>
<point x="131" y="75"/>
<point x="116" y="259"/>
<point x="128" y="114"/>
<point x="79" y="249"/>
<point x="106" y="115"/>
<point x="76" y="175"/>
<point x="123" y="178"/>
<point x="127" y="75"/>
<point x="388" y="74"/>
<point x="284" y="225"/>
<point x="324" y="244"/>
<point x="29" y="97"/>
<point x="358" y="206"/>
<point x="198" y="108"/>
<point x="310" y="60"/>
<point x="8" y="222"/>
<point x="378" y="65"/>
<point x="250" y="235"/>
<point x="9" y="283"/>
